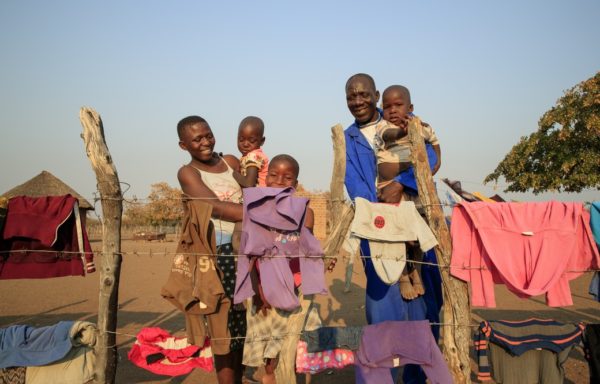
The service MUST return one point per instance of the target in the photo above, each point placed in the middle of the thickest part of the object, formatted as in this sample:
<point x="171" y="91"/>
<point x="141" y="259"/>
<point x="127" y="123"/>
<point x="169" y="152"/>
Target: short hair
<point x="187" y="121"/>
<point x="398" y="88"/>
<point x="284" y="158"/>
<point x="255" y="122"/>
<point x="362" y="76"/>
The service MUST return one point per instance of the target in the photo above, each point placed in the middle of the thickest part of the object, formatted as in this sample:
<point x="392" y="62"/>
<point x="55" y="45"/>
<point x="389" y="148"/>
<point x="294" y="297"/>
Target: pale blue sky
<point x="481" y="73"/>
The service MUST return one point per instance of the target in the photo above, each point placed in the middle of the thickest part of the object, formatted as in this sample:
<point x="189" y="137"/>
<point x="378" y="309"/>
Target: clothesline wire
<point x="137" y="199"/>
<point x="329" y="257"/>
<point x="142" y="200"/>
<point x="260" y="338"/>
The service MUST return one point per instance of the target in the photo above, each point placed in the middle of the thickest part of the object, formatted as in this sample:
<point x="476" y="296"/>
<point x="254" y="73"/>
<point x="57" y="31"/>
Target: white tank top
<point x="227" y="189"/>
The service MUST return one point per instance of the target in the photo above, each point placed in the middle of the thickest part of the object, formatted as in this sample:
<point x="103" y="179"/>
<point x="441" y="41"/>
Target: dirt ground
<point x="45" y="302"/>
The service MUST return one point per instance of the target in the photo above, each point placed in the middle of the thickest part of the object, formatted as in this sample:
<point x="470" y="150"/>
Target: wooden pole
<point x="340" y="213"/>
<point x="112" y="209"/>
<point x="456" y="310"/>
<point x="336" y="188"/>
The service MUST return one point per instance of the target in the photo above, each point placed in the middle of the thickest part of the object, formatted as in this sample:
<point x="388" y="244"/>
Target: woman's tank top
<point x="227" y="189"/>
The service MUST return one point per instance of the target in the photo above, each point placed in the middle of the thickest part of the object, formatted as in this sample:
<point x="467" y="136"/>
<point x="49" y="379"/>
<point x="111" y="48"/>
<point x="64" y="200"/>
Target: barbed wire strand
<point x="165" y="253"/>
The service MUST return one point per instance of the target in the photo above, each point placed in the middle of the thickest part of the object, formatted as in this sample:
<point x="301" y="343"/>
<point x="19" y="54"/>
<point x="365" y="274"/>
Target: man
<point x="383" y="302"/>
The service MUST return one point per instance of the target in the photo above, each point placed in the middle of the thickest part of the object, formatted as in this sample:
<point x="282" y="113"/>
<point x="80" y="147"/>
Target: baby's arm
<point x="251" y="178"/>
<point x="390" y="135"/>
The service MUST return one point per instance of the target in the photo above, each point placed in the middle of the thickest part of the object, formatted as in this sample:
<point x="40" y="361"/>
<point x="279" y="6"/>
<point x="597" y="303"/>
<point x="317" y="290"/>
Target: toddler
<point x="393" y="146"/>
<point x="253" y="163"/>
<point x="393" y="157"/>
<point x="283" y="172"/>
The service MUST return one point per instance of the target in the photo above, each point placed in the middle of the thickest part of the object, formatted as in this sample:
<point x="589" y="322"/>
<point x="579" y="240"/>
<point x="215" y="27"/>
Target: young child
<point x="253" y="163"/>
<point x="393" y="157"/>
<point x="393" y="153"/>
<point x="282" y="172"/>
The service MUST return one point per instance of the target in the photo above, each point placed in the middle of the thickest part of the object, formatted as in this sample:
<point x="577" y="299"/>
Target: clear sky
<point x="481" y="73"/>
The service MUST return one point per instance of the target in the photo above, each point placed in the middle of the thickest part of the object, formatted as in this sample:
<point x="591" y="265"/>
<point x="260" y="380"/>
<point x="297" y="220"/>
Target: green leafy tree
<point x="564" y="153"/>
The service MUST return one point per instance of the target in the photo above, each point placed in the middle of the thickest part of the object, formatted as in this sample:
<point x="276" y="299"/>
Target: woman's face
<point x="199" y="141"/>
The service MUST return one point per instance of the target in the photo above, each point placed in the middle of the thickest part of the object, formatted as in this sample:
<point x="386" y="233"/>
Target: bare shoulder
<point x="186" y="172"/>
<point x="233" y="161"/>
<point x="188" y="176"/>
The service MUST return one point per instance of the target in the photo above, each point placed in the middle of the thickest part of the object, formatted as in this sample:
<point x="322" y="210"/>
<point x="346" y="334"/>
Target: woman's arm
<point x="193" y="186"/>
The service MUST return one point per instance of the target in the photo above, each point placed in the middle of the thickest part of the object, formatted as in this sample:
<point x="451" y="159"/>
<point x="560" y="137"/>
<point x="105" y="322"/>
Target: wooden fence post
<point x="112" y="210"/>
<point x="456" y="337"/>
<point x="340" y="213"/>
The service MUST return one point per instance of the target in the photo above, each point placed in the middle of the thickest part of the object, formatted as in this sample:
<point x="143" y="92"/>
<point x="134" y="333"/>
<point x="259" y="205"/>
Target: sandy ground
<point x="45" y="302"/>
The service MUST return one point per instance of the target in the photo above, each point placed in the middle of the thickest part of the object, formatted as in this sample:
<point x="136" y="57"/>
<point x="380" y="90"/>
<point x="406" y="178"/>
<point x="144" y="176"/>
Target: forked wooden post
<point x="456" y="310"/>
<point x="340" y="213"/>
<point x="112" y="209"/>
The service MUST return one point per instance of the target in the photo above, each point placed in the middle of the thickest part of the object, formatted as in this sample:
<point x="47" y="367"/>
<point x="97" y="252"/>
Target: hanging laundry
<point x="3" y="212"/>
<point x="395" y="343"/>
<point x="315" y="362"/>
<point x="594" y="289"/>
<point x="480" y="196"/>
<point x="527" y="351"/>
<point x="44" y="237"/>
<point x="13" y="375"/>
<point x="388" y="227"/>
<point x="194" y="284"/>
<point x="76" y="367"/>
<point x="274" y="233"/>
<point x="23" y="345"/>
<point x="328" y="338"/>
<point x="457" y="187"/>
<point x="591" y="346"/>
<point x="157" y="351"/>
<point x="532" y="248"/>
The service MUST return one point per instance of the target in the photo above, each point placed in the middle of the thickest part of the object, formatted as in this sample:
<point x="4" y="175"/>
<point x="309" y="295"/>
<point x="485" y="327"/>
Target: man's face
<point x="362" y="98"/>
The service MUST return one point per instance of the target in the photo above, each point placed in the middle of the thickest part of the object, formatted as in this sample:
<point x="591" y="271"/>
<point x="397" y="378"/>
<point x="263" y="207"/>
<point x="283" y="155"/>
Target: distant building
<point x="46" y="184"/>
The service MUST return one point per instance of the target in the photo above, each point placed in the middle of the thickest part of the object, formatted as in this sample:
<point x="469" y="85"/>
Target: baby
<point x="393" y="157"/>
<point x="393" y="146"/>
<point x="253" y="163"/>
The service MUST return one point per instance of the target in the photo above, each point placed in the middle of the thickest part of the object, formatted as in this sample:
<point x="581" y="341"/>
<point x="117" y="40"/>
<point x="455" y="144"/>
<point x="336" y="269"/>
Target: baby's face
<point x="281" y="174"/>
<point x="249" y="139"/>
<point x="396" y="107"/>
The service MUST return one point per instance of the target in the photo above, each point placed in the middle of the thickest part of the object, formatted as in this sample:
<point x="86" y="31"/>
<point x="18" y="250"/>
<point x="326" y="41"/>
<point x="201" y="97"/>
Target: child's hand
<point x="391" y="193"/>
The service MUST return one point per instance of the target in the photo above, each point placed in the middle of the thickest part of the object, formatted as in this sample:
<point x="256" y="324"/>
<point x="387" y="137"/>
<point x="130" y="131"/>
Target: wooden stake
<point x="340" y="213"/>
<point x="112" y="210"/>
<point x="456" y="309"/>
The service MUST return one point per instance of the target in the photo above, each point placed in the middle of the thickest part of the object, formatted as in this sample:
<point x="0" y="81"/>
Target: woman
<point x="210" y="176"/>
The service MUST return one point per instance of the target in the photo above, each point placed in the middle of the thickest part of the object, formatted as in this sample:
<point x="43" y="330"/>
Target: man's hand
<point x="391" y="193"/>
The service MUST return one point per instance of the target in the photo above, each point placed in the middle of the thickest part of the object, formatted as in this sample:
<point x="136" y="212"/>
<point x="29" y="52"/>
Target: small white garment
<point x="388" y="227"/>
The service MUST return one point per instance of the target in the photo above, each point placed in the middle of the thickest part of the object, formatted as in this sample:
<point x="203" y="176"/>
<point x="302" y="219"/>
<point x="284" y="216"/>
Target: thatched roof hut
<point x="46" y="184"/>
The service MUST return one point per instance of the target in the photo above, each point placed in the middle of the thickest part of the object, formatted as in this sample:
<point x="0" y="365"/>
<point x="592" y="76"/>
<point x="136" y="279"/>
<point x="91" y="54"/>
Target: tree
<point x="564" y="153"/>
<point x="164" y="207"/>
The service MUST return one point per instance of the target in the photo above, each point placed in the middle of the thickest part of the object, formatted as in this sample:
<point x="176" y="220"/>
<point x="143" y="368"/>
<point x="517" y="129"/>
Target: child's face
<point x="199" y="141"/>
<point x="396" y="107"/>
<point x="249" y="139"/>
<point x="281" y="174"/>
